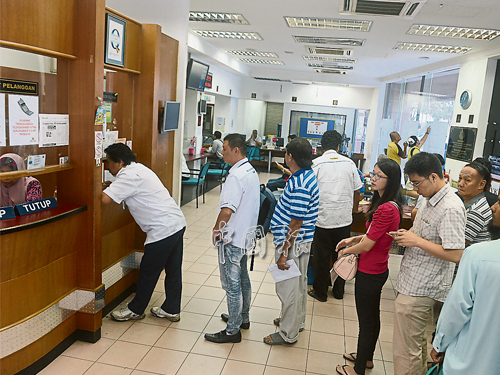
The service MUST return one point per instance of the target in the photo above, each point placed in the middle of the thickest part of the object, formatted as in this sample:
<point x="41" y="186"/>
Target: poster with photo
<point x="23" y="120"/>
<point x="3" y="135"/>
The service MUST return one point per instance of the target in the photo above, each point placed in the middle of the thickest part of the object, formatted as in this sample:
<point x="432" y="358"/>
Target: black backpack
<point x="266" y="211"/>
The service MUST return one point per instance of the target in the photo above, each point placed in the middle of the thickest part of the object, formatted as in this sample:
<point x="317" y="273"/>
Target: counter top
<point x="36" y="219"/>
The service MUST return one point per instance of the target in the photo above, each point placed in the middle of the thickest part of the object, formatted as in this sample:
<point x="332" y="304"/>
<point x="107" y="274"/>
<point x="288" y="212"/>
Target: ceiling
<point x="377" y="60"/>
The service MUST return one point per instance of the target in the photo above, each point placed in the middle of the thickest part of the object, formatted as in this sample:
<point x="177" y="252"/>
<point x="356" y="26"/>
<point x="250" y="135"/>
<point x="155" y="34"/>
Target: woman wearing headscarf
<point x="17" y="190"/>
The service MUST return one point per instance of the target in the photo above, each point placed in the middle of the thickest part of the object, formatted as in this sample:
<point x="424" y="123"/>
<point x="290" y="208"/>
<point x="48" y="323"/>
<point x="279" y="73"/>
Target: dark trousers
<point x="161" y="255"/>
<point x="325" y="241"/>
<point x="368" y="289"/>
<point x="274" y="183"/>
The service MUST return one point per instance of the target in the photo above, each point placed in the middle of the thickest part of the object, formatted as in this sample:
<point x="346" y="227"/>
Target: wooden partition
<point x="69" y="255"/>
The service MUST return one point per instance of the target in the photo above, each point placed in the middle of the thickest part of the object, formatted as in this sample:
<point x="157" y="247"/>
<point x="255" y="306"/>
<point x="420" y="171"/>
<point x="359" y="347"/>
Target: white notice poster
<point x="54" y="130"/>
<point x="23" y="120"/>
<point x="3" y="141"/>
<point x="317" y="127"/>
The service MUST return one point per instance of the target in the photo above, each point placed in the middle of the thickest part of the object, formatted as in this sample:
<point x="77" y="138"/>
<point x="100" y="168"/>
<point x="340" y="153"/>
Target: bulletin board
<point x="314" y="127"/>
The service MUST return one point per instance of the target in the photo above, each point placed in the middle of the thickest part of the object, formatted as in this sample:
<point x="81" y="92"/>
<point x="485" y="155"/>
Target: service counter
<point x="38" y="282"/>
<point x="359" y="220"/>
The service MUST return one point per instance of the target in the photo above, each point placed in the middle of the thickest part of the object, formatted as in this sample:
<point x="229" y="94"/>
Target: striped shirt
<point x="441" y="220"/>
<point x="478" y="216"/>
<point x="299" y="201"/>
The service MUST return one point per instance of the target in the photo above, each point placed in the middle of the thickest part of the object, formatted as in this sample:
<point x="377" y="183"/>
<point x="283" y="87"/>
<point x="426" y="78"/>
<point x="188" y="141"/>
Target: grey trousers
<point x="293" y="294"/>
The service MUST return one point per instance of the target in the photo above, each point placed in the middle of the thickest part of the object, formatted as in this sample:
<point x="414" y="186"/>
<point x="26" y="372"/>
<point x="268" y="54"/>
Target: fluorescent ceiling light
<point x="262" y="61"/>
<point x="329" y="40"/>
<point x="431" y="47"/>
<point x="454" y="32"/>
<point x="329" y="84"/>
<point x="330" y="59"/>
<point x="333" y="66"/>
<point x="253" y="53"/>
<point x="329" y="71"/>
<point x="271" y="79"/>
<point x="227" y="34"/>
<point x="328" y="23"/>
<point x="218" y="17"/>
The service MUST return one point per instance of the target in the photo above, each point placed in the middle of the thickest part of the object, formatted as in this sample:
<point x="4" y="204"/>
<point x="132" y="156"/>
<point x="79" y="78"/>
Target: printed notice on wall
<point x="54" y="130"/>
<point x="23" y="120"/>
<point x="3" y="137"/>
<point x="317" y="127"/>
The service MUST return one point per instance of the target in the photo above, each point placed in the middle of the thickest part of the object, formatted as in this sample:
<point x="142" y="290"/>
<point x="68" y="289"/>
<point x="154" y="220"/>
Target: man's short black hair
<point x="424" y="164"/>
<point x="301" y="151"/>
<point x="292" y="137"/>
<point x="331" y="140"/>
<point x="217" y="134"/>
<point x="440" y="158"/>
<point x="120" y="152"/>
<point x="235" y="140"/>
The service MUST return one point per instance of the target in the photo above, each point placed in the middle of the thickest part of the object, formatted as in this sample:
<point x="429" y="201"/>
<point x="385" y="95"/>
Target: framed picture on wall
<point x="115" y="40"/>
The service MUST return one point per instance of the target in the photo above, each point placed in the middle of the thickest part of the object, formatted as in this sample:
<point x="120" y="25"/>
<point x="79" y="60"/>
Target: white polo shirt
<point x="253" y="143"/>
<point x="217" y="148"/>
<point x="337" y="178"/>
<point x="149" y="202"/>
<point x="241" y="193"/>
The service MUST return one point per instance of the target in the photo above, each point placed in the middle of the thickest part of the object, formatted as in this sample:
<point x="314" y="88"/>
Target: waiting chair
<point x="253" y="153"/>
<point x="220" y="170"/>
<point x="199" y="180"/>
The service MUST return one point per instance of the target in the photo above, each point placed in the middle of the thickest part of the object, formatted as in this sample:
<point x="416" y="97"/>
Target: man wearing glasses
<point x="433" y="245"/>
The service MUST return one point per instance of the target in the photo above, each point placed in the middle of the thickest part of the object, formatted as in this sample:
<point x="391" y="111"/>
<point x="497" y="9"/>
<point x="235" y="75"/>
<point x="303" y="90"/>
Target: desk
<point x="195" y="157"/>
<point x="359" y="220"/>
<point x="272" y="152"/>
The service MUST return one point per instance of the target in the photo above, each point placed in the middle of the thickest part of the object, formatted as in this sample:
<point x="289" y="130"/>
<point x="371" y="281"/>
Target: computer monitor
<point x="170" y="116"/>
<point x="280" y="142"/>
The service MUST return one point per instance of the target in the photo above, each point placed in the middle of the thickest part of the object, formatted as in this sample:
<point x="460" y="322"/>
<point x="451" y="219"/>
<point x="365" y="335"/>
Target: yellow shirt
<point x="393" y="152"/>
<point x="413" y="151"/>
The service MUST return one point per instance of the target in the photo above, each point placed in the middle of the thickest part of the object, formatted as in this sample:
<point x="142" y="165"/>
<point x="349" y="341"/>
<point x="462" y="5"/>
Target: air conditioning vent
<point x="327" y="40"/>
<point x="394" y="8"/>
<point x="329" y="71"/>
<point x="329" y="51"/>
<point x="331" y="66"/>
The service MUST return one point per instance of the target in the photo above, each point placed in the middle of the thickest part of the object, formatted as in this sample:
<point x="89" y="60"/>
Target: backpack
<point x="266" y="211"/>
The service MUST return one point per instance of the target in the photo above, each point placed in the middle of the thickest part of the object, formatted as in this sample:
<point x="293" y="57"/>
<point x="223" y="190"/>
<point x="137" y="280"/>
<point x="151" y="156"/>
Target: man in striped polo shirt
<point x="293" y="226"/>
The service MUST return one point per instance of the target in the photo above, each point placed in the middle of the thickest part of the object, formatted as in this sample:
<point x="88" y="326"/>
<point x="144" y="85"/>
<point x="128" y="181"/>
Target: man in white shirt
<point x="157" y="214"/>
<point x="237" y="219"/>
<point x="254" y="140"/>
<point x="216" y="148"/>
<point x="469" y="322"/>
<point x="338" y="181"/>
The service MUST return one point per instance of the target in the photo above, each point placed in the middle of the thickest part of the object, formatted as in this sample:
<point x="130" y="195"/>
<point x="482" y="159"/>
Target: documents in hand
<point x="282" y="275"/>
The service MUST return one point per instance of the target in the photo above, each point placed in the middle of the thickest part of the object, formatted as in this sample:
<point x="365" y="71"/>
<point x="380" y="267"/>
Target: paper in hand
<point x="282" y="275"/>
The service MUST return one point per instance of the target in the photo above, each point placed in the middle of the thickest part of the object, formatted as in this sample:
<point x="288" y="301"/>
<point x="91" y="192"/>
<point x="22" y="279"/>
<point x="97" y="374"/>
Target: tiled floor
<point x="155" y="346"/>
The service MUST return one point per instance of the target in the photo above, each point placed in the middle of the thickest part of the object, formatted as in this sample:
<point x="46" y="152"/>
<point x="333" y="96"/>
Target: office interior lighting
<point x="328" y="23"/>
<point x="253" y="53"/>
<point x="262" y="61"/>
<point x="432" y="47"/>
<point x="234" y="18"/>
<point x="330" y="59"/>
<point x="454" y="32"/>
<point x="227" y="34"/>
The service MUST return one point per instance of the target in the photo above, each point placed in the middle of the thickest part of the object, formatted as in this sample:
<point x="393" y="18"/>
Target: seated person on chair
<point x="274" y="183"/>
<point x="186" y="172"/>
<point x="254" y="140"/>
<point x="216" y="148"/>
<point x="17" y="190"/>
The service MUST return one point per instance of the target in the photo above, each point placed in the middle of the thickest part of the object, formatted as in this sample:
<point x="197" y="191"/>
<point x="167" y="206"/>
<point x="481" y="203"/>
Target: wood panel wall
<point x="47" y="24"/>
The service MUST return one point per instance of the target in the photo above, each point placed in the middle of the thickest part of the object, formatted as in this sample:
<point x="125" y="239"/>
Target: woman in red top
<point x="373" y="249"/>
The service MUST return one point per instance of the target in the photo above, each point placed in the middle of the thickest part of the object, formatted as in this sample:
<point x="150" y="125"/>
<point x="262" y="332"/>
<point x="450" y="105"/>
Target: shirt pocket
<point x="427" y="230"/>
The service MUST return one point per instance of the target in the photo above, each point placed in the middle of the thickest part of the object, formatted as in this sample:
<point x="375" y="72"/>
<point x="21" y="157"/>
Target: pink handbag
<point x="346" y="266"/>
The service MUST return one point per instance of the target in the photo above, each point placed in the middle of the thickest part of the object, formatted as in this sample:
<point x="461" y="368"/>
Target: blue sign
<point x="7" y="213"/>
<point x="36" y="206"/>
<point x="314" y="128"/>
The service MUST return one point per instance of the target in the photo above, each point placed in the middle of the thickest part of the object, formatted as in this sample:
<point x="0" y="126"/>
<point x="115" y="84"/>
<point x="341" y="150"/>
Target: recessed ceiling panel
<point x="328" y="23"/>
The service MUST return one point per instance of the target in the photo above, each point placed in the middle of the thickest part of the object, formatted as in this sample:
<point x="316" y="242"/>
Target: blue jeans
<point x="274" y="183"/>
<point x="236" y="282"/>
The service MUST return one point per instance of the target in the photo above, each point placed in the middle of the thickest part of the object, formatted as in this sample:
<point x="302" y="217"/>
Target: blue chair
<point x="253" y="153"/>
<point x="218" y="169"/>
<point x="199" y="180"/>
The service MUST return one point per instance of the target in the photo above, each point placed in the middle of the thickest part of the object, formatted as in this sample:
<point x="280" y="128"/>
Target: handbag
<point x="346" y="266"/>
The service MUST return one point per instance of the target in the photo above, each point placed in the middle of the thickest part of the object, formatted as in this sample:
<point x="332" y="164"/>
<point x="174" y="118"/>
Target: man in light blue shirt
<point x="468" y="328"/>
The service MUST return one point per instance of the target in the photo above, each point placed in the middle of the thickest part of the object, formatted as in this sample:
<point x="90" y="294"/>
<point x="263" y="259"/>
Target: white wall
<point x="251" y="115"/>
<point x="190" y="118"/>
<point x="477" y="77"/>
<point x="227" y="108"/>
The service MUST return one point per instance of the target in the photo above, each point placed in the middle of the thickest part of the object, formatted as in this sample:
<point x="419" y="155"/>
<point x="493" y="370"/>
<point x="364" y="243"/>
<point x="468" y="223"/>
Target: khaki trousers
<point x="409" y="341"/>
<point x="293" y="294"/>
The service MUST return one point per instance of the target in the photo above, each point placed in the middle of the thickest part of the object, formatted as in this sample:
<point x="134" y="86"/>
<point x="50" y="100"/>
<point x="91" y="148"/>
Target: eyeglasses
<point x="375" y="176"/>
<point x="416" y="184"/>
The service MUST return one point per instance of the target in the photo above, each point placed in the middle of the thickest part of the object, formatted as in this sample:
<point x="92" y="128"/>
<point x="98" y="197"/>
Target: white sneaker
<point x="159" y="313"/>
<point x="125" y="314"/>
